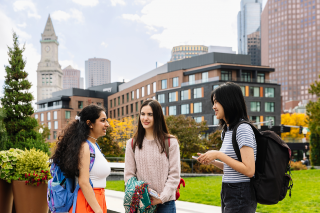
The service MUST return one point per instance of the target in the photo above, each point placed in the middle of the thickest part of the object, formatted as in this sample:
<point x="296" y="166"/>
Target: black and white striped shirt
<point x="245" y="137"/>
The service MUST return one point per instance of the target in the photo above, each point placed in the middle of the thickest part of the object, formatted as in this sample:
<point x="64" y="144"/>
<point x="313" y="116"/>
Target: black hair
<point x="160" y="129"/>
<point x="67" y="154"/>
<point x="230" y="96"/>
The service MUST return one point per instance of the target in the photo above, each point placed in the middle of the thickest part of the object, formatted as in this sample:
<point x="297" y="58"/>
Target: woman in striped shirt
<point x="237" y="194"/>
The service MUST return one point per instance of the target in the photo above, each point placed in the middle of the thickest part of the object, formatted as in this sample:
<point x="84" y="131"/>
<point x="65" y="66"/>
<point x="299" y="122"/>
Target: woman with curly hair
<point x="73" y="157"/>
<point x="146" y="157"/>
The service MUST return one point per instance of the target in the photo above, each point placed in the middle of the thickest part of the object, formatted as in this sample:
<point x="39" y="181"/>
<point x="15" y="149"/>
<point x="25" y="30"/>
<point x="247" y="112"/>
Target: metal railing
<point x="49" y="108"/>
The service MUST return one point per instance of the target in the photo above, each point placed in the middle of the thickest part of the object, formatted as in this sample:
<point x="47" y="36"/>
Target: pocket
<point x="59" y="196"/>
<point x="234" y="185"/>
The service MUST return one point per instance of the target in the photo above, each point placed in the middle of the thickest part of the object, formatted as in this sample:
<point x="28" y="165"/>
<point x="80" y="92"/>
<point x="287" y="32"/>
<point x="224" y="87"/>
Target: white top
<point x="100" y="170"/>
<point x="245" y="137"/>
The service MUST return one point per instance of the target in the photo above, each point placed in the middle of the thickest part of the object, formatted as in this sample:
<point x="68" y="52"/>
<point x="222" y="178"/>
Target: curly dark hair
<point x="67" y="154"/>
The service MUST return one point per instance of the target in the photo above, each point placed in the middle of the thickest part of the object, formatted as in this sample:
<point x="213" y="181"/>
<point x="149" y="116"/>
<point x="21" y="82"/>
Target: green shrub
<point x="33" y="167"/>
<point x="8" y="161"/>
<point x="185" y="168"/>
<point x="201" y="168"/>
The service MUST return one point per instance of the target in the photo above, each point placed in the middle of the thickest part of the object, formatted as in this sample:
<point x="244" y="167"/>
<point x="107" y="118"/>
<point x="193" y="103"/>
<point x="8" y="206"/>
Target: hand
<point x="155" y="201"/>
<point x="208" y="157"/>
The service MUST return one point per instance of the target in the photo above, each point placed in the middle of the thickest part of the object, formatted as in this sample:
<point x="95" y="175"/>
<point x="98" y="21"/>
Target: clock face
<point x="47" y="48"/>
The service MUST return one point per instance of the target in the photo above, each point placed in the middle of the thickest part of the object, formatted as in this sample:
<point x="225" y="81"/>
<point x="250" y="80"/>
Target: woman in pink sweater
<point x="146" y="158"/>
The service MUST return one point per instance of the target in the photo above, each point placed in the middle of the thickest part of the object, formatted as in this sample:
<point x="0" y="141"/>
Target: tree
<point x="3" y="134"/>
<point x="122" y="130"/>
<point x="109" y="146"/>
<point x="313" y="120"/>
<point x="189" y="133"/>
<point x="17" y="99"/>
<point x="215" y="141"/>
<point x="295" y="119"/>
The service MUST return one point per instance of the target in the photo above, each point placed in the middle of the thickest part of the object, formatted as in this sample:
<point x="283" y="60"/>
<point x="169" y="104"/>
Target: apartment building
<point x="184" y="87"/>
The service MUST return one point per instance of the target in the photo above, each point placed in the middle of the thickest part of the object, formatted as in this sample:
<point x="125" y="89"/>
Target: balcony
<point x="200" y="81"/>
<point x="46" y="108"/>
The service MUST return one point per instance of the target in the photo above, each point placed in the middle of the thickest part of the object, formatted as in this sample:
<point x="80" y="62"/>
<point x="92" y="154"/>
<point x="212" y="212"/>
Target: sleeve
<point x="174" y="171"/>
<point x="245" y="136"/>
<point x="130" y="163"/>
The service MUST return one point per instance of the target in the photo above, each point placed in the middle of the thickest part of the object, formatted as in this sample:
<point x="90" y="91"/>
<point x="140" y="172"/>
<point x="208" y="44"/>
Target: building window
<point x="48" y="137"/>
<point x="115" y="102"/>
<point x="54" y="134"/>
<point x="80" y="104"/>
<point x="184" y="95"/>
<point x="48" y="116"/>
<point x="122" y="111"/>
<point x="197" y="119"/>
<point x="41" y="117"/>
<point x="161" y="98"/>
<point x="56" y="125"/>
<point x="122" y="99"/>
<point x="137" y="109"/>
<point x="148" y="89"/>
<point x="215" y="87"/>
<point x="269" y="92"/>
<point x="118" y="100"/>
<point x="246" y="76"/>
<point x="255" y="91"/>
<point x="197" y="93"/>
<point x="55" y="115"/>
<point x="118" y="111"/>
<point x="132" y="95"/>
<point x="131" y="108"/>
<point x="192" y="79"/>
<point x="255" y="106"/>
<point x="260" y="78"/>
<point x="185" y="109"/>
<point x="172" y="110"/>
<point x="215" y="121"/>
<point x="226" y="75"/>
<point x="36" y="116"/>
<point x="110" y="103"/>
<point x="255" y="119"/>
<point x="99" y="104"/>
<point x="164" y="110"/>
<point x="205" y="77"/>
<point x="111" y="114"/>
<point x="243" y="90"/>
<point x="164" y="84"/>
<point x="175" y="82"/>
<point x="137" y="93"/>
<point x="49" y="125"/>
<point x="269" y="106"/>
<point x="154" y="87"/>
<point x="198" y="107"/>
<point x="268" y="118"/>
<point x="127" y="97"/>
<point x="141" y="102"/>
<point x="142" y="92"/>
<point x="172" y="96"/>
<point x="67" y="114"/>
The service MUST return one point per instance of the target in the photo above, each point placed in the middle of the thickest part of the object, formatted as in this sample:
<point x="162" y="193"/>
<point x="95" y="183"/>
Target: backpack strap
<point x="234" y="137"/>
<point x="92" y="154"/>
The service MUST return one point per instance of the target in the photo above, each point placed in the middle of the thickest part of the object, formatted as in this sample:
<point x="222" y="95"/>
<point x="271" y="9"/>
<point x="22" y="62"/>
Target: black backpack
<point x="272" y="169"/>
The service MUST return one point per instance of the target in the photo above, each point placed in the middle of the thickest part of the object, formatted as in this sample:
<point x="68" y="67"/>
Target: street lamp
<point x="304" y="132"/>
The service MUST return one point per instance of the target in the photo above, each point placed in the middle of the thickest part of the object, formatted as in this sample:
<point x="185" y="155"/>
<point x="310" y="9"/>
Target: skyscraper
<point x="291" y="44"/>
<point x="187" y="51"/>
<point x="97" y="72"/>
<point x="249" y="24"/>
<point x="49" y="73"/>
<point x="71" y="78"/>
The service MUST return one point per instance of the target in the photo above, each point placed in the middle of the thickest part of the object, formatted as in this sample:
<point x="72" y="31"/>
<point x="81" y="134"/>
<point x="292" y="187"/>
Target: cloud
<point x="141" y="2"/>
<point x="23" y="25"/>
<point x="28" y="6"/>
<point x="60" y="15"/>
<point x="104" y="44"/>
<point x="31" y="55"/>
<point x="120" y="2"/>
<point x="90" y="3"/>
<point x="177" y="22"/>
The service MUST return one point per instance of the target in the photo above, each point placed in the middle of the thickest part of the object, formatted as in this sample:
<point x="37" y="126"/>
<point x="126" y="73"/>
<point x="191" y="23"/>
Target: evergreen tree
<point x="16" y="102"/>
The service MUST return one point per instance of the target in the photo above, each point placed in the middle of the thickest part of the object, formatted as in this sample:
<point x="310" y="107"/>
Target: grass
<point x="305" y="196"/>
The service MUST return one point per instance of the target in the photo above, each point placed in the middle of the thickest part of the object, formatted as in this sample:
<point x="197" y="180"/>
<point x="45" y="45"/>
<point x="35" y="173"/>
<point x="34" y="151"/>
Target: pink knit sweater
<point x="154" y="168"/>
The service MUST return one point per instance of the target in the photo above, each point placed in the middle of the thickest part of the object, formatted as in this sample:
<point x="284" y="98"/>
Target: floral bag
<point x="136" y="197"/>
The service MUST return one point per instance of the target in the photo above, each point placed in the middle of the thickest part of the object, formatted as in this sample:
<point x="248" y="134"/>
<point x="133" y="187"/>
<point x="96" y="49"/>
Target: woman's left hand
<point x="155" y="201"/>
<point x="208" y="157"/>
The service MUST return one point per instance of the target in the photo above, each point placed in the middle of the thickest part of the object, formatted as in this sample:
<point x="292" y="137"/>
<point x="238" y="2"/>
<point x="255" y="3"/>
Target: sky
<point x="133" y="34"/>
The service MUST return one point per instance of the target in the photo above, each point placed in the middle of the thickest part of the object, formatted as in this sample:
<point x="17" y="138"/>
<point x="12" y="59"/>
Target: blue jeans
<point x="167" y="207"/>
<point x="238" y="197"/>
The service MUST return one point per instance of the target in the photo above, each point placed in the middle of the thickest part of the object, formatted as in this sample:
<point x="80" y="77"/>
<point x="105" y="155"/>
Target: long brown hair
<point x="160" y="129"/>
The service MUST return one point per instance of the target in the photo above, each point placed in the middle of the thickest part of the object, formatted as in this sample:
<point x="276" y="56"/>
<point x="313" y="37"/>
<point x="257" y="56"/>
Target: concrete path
<point x="115" y="204"/>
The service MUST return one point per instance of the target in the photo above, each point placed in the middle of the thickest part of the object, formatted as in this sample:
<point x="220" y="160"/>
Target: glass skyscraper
<point x="249" y="28"/>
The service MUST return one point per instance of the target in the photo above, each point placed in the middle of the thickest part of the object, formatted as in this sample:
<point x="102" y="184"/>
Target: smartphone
<point x="195" y="157"/>
<point x="153" y="193"/>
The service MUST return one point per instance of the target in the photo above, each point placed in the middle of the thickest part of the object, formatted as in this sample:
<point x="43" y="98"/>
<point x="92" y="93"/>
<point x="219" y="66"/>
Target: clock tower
<point x="49" y="73"/>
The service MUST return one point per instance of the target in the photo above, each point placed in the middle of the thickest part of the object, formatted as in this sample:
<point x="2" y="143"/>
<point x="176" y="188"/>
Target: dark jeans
<point x="167" y="207"/>
<point x="238" y="197"/>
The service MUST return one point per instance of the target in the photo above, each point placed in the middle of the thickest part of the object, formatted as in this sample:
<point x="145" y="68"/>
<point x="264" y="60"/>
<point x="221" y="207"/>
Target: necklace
<point x="92" y="137"/>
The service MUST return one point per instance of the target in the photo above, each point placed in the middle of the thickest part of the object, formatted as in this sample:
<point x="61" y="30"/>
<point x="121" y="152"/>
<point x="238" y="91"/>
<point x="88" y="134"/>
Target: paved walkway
<point x="115" y="204"/>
